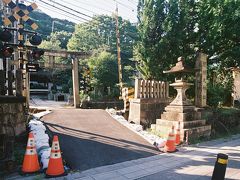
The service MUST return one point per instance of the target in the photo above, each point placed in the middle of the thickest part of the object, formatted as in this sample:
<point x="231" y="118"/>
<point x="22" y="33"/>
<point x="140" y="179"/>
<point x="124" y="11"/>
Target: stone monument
<point x="181" y="112"/>
<point x="200" y="81"/>
<point x="236" y="85"/>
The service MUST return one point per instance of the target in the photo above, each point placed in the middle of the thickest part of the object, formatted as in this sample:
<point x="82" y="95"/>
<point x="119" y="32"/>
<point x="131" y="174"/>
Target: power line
<point x="51" y="9"/>
<point x="63" y="10"/>
<point x="79" y="7"/>
<point x="45" y="7"/>
<point x="133" y="2"/>
<point x="94" y="6"/>
<point x="124" y="5"/>
<point x="70" y="8"/>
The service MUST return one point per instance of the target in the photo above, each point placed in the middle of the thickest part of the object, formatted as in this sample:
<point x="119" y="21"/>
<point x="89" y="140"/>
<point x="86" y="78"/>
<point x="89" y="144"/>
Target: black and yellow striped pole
<point x="220" y="167"/>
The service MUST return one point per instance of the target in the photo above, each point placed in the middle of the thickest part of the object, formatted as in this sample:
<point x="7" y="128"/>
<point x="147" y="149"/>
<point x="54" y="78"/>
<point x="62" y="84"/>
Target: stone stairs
<point x="188" y="120"/>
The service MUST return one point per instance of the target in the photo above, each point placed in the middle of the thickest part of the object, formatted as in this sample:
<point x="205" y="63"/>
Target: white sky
<point x="126" y="8"/>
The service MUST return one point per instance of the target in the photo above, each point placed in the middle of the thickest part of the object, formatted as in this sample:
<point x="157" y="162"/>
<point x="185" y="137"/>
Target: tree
<point x="104" y="70"/>
<point x="62" y="36"/>
<point x="45" y="23"/>
<point x="100" y="33"/>
<point x="218" y="34"/>
<point x="166" y="31"/>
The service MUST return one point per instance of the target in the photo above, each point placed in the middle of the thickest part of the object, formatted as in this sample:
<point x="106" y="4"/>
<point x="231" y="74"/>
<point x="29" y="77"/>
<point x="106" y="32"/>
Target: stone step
<point x="195" y="123"/>
<point x="198" y="132"/>
<point x="193" y="132"/>
<point x="177" y="116"/>
<point x="183" y="124"/>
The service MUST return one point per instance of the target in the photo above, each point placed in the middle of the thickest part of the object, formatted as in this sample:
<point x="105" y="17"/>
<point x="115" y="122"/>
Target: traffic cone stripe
<point x="178" y="138"/>
<point x="170" y="144"/>
<point x="31" y="142"/>
<point x="55" y="165"/>
<point x="55" y="155"/>
<point x="30" y="161"/>
<point x="171" y="138"/>
<point x="30" y="152"/>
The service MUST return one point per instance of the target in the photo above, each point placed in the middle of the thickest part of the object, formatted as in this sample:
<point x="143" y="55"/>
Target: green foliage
<point x="56" y="41"/>
<point x="166" y="31"/>
<point x="224" y="121"/>
<point x="171" y="28"/>
<point x="219" y="30"/>
<point x="61" y="36"/>
<point x="219" y="87"/>
<point x="104" y="69"/>
<point x="215" y="95"/>
<point x="45" y="22"/>
<point x="100" y="34"/>
<point x="62" y="78"/>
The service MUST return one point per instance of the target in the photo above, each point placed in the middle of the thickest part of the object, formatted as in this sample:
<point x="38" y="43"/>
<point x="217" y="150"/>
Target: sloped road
<point x="91" y="138"/>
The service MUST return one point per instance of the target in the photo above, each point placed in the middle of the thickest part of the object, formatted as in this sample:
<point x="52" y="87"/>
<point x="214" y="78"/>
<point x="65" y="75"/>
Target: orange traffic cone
<point x="178" y="139"/>
<point x="30" y="161"/>
<point x="55" y="165"/>
<point x="170" y="144"/>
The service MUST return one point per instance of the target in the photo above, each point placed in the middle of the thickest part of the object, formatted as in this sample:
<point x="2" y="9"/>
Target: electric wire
<point x="63" y="10"/>
<point x="70" y="8"/>
<point x="91" y="5"/>
<point x="132" y="2"/>
<point x="78" y="7"/>
<point x="51" y="9"/>
<point x="124" y="5"/>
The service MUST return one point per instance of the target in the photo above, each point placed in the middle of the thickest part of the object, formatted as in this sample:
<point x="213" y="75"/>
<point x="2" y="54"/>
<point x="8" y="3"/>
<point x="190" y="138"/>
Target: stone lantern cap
<point x="180" y="67"/>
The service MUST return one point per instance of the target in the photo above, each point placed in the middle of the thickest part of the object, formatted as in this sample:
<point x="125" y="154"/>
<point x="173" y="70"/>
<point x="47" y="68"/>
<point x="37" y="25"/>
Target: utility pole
<point x="118" y="52"/>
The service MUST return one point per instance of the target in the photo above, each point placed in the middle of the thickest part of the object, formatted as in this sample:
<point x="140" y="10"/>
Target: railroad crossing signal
<point x="21" y="11"/>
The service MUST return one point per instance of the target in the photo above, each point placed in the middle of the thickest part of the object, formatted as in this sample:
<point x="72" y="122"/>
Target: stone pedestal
<point x="146" y="111"/>
<point x="182" y="112"/>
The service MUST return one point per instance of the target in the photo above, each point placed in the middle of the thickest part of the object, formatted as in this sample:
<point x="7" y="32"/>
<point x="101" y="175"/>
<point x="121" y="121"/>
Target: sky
<point x="126" y="8"/>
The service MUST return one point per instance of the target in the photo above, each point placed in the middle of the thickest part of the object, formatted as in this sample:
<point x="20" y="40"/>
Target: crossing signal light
<point x="5" y="36"/>
<point x="37" y="53"/>
<point x="6" y="51"/>
<point x="35" y="40"/>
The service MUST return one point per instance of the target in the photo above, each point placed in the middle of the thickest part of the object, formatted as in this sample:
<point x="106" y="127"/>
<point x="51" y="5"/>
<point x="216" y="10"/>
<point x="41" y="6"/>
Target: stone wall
<point x="146" y="111"/>
<point x="12" y="115"/>
<point x="102" y="104"/>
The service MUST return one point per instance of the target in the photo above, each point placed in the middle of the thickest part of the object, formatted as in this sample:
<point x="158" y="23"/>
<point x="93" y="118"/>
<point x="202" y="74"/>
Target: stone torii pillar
<point x="75" y="77"/>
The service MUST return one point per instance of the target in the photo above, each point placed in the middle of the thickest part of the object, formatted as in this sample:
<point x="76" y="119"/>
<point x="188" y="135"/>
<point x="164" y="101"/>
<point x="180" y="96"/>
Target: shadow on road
<point x="84" y="150"/>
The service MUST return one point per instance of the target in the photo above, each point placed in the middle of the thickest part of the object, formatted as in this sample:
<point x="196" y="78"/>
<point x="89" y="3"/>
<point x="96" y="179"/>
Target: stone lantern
<point x="180" y="84"/>
<point x="181" y="113"/>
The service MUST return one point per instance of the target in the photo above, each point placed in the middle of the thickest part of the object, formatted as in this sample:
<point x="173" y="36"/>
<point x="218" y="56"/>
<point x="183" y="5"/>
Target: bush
<point x="224" y="121"/>
<point x="216" y="95"/>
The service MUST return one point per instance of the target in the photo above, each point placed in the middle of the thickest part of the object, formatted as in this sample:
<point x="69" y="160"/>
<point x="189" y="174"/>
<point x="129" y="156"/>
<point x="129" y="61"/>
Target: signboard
<point x="30" y="67"/>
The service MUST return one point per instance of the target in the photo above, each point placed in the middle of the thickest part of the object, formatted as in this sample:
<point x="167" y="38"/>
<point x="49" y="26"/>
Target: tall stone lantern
<point x="181" y="113"/>
<point x="180" y="84"/>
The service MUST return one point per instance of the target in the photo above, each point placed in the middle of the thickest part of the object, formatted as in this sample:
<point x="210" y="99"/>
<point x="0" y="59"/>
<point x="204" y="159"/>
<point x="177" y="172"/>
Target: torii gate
<point x="75" y="56"/>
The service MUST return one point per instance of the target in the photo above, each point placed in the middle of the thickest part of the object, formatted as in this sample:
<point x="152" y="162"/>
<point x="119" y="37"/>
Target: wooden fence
<point x="151" y="89"/>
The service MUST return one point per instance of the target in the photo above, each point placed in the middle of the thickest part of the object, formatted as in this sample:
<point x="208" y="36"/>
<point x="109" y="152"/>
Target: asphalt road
<point x="91" y="138"/>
